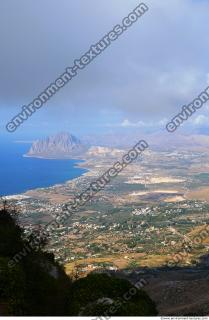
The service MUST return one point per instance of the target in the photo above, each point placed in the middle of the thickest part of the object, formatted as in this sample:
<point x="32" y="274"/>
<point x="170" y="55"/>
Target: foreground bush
<point x="102" y="295"/>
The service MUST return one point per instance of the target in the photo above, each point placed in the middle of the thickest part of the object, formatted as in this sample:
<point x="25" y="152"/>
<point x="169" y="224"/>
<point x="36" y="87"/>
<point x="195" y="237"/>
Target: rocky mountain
<point x="62" y="145"/>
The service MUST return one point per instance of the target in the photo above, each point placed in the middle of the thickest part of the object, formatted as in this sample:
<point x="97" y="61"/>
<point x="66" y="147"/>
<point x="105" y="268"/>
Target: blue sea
<point x="19" y="174"/>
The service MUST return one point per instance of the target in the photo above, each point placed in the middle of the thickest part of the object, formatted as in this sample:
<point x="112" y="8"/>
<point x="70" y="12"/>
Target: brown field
<point x="196" y="233"/>
<point x="199" y="194"/>
<point x="122" y="261"/>
<point x="54" y="198"/>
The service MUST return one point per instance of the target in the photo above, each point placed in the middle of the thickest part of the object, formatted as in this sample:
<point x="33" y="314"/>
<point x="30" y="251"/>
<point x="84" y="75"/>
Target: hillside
<point x="33" y="284"/>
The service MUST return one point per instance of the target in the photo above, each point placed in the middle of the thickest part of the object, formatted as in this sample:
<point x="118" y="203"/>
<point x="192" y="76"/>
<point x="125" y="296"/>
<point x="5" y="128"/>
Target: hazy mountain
<point x="66" y="145"/>
<point x="62" y="145"/>
<point x="159" y="140"/>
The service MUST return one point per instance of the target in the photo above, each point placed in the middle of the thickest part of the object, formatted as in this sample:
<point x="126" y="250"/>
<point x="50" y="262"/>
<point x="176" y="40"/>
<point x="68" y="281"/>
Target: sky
<point x="141" y="81"/>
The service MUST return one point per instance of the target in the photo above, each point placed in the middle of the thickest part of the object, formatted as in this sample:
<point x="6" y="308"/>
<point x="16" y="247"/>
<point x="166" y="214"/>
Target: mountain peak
<point x="61" y="145"/>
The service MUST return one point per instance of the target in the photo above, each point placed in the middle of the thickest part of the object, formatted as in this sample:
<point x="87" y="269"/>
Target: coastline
<point x="76" y="169"/>
<point x="81" y="160"/>
<point x="77" y="165"/>
<point x="52" y="158"/>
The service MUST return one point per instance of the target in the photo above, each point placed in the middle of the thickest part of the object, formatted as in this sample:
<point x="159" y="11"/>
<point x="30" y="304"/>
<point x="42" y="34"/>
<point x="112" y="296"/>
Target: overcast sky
<point x="142" y="79"/>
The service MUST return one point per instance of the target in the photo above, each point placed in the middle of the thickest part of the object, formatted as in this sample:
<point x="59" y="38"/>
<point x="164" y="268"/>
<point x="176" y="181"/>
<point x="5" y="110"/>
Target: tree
<point x="36" y="285"/>
<point x="97" y="293"/>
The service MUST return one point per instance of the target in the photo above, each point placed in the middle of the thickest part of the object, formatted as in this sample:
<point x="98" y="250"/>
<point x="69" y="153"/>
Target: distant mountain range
<point x="62" y="145"/>
<point x="65" y="145"/>
<point x="161" y="140"/>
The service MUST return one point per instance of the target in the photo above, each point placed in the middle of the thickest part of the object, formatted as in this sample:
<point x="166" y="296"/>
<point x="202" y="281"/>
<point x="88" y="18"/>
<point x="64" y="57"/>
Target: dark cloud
<point x="154" y="68"/>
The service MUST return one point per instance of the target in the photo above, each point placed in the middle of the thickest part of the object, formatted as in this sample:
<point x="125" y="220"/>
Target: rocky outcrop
<point x="62" y="145"/>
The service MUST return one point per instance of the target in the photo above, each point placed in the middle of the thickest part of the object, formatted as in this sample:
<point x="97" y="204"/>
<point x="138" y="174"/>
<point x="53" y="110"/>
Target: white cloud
<point x="201" y="120"/>
<point x="127" y="123"/>
<point x="143" y="124"/>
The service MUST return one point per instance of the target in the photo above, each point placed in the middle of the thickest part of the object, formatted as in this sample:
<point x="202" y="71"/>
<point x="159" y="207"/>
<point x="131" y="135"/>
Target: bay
<point x="19" y="174"/>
